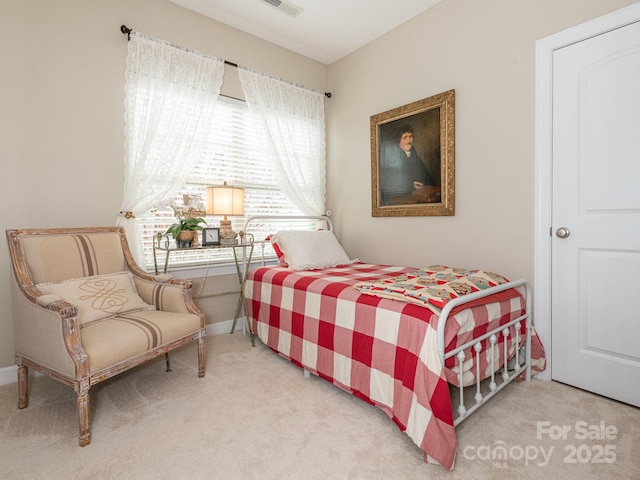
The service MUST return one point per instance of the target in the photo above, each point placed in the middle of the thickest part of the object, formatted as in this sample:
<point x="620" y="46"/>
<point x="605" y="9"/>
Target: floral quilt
<point x="433" y="286"/>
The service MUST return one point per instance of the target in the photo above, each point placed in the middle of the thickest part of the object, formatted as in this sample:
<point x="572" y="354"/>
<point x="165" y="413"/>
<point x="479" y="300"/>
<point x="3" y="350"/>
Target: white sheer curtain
<point x="171" y="93"/>
<point x="294" y="119"/>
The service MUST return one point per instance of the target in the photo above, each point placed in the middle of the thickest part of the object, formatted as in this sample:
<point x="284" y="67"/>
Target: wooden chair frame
<point x="58" y="322"/>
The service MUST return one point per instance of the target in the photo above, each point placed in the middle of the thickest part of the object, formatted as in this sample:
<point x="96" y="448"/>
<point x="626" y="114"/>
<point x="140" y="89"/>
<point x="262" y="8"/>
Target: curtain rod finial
<point x="126" y="30"/>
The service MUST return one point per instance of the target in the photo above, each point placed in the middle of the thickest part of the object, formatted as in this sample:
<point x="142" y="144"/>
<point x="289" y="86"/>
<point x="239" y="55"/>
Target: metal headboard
<point x="253" y="218"/>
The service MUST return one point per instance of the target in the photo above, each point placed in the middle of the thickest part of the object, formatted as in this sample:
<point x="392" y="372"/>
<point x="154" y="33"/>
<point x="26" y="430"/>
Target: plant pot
<point x="185" y="238"/>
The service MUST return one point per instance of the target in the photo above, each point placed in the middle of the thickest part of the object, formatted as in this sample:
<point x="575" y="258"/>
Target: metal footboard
<point x="507" y="375"/>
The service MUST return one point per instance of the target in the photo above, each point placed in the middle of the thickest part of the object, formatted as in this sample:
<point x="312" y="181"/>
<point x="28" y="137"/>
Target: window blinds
<point x="236" y="153"/>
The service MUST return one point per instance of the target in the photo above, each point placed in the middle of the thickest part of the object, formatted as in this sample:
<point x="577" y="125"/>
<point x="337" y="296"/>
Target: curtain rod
<point x="127" y="31"/>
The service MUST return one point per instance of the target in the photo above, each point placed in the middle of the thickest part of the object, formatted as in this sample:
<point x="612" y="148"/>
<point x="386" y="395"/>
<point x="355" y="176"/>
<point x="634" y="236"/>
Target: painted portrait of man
<point x="409" y="169"/>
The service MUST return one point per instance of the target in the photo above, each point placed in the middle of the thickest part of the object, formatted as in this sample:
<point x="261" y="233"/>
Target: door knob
<point x="563" y="232"/>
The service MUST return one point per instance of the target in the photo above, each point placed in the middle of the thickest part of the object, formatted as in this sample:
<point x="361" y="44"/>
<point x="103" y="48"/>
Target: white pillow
<point x="308" y="250"/>
<point x="98" y="296"/>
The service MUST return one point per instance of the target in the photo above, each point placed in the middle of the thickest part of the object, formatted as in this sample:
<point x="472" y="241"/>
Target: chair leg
<point x="23" y="386"/>
<point x="83" y="417"/>
<point x="201" y="365"/>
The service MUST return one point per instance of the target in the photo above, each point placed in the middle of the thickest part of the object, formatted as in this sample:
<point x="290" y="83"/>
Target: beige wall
<point x="61" y="121"/>
<point x="61" y="116"/>
<point x="486" y="52"/>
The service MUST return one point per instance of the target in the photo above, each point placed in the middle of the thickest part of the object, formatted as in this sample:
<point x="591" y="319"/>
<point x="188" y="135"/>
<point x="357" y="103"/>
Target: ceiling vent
<point x="284" y="6"/>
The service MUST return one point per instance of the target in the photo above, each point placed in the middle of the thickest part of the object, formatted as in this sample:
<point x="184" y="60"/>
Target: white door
<point x="596" y="214"/>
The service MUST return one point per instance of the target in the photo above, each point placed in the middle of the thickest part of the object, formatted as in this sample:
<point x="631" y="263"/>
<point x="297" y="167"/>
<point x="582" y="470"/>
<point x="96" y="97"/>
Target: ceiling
<point x="325" y="30"/>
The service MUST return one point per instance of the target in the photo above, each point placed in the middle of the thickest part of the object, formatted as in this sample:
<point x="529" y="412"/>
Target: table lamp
<point x="225" y="200"/>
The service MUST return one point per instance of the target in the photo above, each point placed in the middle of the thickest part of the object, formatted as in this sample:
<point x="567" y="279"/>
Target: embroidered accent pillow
<point x="98" y="296"/>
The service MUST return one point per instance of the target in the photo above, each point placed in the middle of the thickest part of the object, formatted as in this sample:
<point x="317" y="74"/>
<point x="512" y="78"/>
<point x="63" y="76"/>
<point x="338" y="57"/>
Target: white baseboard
<point x="9" y="375"/>
<point x="225" y="327"/>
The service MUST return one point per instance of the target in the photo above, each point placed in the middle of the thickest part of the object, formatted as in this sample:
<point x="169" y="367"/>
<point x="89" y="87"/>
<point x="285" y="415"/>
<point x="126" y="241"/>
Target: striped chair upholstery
<point x="50" y="333"/>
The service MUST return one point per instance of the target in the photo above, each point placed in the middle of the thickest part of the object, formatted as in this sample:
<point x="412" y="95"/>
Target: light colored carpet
<point x="254" y="415"/>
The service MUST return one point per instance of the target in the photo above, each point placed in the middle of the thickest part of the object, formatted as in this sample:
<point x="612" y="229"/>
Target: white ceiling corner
<point x="325" y="30"/>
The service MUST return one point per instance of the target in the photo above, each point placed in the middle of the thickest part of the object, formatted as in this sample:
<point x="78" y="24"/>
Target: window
<point x="236" y="153"/>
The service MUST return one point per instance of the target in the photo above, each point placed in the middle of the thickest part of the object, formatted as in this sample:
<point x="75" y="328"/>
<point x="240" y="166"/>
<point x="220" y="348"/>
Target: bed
<point x="364" y="328"/>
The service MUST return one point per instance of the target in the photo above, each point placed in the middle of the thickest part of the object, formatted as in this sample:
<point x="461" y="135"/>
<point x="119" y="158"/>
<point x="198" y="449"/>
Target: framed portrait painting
<point x="413" y="158"/>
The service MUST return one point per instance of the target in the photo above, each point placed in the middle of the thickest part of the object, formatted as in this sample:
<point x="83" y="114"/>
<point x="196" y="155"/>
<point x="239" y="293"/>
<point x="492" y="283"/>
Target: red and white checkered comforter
<point x="380" y="350"/>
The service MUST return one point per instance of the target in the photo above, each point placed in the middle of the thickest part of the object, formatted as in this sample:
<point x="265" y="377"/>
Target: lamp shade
<point x="225" y="200"/>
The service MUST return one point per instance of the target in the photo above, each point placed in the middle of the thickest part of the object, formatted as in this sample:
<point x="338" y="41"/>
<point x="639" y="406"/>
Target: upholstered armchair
<point x="84" y="312"/>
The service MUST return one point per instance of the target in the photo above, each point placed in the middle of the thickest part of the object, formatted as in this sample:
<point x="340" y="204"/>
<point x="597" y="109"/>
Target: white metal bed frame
<point x="520" y="365"/>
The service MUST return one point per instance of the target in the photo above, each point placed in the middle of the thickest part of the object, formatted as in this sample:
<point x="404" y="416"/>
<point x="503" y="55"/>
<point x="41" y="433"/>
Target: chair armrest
<point x="47" y="332"/>
<point x="167" y="294"/>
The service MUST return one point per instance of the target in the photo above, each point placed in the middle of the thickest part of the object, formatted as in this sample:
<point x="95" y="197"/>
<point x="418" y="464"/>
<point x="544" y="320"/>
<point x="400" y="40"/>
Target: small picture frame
<point x="210" y="236"/>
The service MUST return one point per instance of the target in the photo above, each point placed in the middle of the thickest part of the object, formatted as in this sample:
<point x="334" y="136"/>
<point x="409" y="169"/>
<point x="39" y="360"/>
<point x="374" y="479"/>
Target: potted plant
<point x="185" y="230"/>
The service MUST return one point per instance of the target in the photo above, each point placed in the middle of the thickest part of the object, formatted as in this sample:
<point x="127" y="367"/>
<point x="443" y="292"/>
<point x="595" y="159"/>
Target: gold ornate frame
<point x="433" y="123"/>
